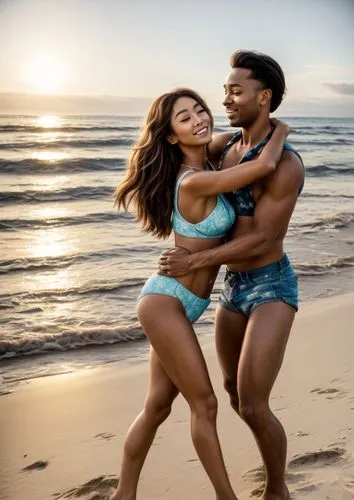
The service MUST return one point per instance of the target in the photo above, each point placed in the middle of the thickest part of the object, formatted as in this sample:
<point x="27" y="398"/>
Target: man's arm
<point x="271" y="217"/>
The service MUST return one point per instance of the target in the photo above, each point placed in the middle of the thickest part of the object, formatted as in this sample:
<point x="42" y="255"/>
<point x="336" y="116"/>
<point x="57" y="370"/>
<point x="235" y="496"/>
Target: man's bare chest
<point x="232" y="158"/>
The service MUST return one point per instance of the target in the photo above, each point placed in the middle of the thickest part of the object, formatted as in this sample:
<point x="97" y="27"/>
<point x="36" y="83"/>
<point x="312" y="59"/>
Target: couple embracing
<point x="227" y="199"/>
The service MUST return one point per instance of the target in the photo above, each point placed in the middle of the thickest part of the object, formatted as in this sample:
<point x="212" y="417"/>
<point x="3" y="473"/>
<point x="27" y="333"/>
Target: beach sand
<point x="68" y="430"/>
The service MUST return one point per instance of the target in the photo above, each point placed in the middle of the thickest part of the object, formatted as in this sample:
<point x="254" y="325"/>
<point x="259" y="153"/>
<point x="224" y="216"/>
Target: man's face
<point x="243" y="97"/>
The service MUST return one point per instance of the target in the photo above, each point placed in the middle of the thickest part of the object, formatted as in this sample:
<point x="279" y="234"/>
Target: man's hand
<point x="174" y="262"/>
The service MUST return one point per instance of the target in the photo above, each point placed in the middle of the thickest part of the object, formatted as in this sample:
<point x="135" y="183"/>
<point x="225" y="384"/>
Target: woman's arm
<point x="209" y="183"/>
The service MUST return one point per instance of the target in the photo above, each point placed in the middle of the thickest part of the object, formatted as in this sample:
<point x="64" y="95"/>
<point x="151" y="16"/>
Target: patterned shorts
<point x="245" y="290"/>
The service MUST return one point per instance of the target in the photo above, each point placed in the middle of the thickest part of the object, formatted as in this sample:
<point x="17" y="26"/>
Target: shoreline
<point x="20" y="370"/>
<point x="75" y="423"/>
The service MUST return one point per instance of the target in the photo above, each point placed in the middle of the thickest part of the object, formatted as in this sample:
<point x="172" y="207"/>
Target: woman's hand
<point x="284" y="127"/>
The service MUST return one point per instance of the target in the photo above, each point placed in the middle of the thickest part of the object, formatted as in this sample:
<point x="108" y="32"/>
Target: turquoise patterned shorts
<point x="194" y="306"/>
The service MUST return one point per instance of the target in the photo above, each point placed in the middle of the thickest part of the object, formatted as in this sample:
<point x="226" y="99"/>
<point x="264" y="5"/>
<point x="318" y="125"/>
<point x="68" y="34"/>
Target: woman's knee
<point x="205" y="406"/>
<point x="157" y="409"/>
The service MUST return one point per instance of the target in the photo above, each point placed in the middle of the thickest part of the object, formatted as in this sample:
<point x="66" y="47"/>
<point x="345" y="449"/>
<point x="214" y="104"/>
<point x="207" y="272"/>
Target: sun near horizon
<point x="45" y="74"/>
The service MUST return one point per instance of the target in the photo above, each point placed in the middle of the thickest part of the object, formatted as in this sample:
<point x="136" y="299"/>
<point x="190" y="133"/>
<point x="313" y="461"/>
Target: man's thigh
<point x="230" y="328"/>
<point x="263" y="348"/>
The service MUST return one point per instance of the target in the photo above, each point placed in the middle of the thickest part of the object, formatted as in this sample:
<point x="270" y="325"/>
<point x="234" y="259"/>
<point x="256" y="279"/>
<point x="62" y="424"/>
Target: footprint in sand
<point x="99" y="488"/>
<point x="301" y="434"/>
<point x="321" y="457"/>
<point x="105" y="435"/>
<point x="334" y="489"/>
<point x="330" y="392"/>
<point x="258" y="475"/>
<point x="258" y="491"/>
<point x="299" y="480"/>
<point x="39" y="465"/>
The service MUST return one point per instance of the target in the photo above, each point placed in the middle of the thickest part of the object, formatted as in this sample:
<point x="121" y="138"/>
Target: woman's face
<point x="190" y="123"/>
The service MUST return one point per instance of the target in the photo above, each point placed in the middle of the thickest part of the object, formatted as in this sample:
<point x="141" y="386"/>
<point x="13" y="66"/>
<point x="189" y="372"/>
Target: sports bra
<point x="215" y="225"/>
<point x="242" y="199"/>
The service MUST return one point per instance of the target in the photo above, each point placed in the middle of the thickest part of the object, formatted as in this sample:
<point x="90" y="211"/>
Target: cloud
<point x="341" y="88"/>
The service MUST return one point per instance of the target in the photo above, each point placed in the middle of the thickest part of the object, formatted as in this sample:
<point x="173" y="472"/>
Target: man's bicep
<point x="276" y="205"/>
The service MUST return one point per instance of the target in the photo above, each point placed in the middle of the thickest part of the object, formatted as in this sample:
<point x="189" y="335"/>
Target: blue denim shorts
<point x="246" y="290"/>
<point x="194" y="306"/>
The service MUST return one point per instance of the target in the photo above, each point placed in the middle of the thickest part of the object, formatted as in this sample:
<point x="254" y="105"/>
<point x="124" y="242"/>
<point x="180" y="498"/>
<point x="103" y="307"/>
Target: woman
<point x="173" y="189"/>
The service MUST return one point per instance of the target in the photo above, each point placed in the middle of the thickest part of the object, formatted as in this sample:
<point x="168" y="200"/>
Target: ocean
<point x="72" y="267"/>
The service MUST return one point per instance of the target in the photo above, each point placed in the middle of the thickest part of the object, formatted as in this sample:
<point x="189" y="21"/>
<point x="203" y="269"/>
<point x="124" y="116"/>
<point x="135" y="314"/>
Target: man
<point x="259" y="300"/>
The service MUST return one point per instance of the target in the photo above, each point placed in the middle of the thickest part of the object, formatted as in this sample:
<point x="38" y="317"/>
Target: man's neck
<point x="253" y="135"/>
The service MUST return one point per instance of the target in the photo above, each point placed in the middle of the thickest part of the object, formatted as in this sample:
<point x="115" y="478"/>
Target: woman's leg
<point x="176" y="345"/>
<point x="157" y="407"/>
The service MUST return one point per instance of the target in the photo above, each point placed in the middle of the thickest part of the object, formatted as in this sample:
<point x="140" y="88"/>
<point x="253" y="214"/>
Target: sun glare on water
<point x="53" y="243"/>
<point x="50" y="156"/>
<point x="48" y="121"/>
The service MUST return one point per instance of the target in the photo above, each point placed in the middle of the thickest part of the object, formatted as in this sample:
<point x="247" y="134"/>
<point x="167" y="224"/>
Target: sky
<point x="115" y="56"/>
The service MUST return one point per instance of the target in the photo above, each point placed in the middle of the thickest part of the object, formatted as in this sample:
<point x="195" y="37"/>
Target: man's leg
<point x="261" y="357"/>
<point x="230" y="328"/>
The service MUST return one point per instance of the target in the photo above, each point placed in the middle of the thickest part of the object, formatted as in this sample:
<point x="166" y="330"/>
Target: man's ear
<point x="265" y="97"/>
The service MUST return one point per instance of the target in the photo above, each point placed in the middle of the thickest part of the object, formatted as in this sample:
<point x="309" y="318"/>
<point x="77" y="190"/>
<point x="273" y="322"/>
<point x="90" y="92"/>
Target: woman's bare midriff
<point x="201" y="281"/>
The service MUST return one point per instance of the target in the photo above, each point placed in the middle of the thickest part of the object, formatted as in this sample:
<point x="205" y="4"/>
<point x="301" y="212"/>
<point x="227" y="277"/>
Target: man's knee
<point x="231" y="388"/>
<point x="255" y="414"/>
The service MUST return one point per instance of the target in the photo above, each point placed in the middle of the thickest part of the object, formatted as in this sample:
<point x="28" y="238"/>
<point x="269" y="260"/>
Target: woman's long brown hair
<point x="153" y="166"/>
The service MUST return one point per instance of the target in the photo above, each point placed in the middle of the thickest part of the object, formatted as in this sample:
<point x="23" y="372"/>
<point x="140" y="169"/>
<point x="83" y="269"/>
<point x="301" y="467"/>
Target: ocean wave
<point x="328" y="222"/>
<point x="327" y="130"/>
<point x="88" y="128"/>
<point x="69" y="143"/>
<point x="222" y="129"/>
<point x="38" y="343"/>
<point x="18" y="299"/>
<point x="309" y="194"/>
<point x="25" y="264"/>
<point x="65" y="165"/>
<point x="51" y="222"/>
<point x="332" y="264"/>
<point x="325" y="142"/>
<point x="68" y="194"/>
<point x="328" y="170"/>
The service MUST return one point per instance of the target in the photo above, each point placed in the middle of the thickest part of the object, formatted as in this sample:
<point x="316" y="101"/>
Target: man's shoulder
<point x="218" y="144"/>
<point x="289" y="147"/>
<point x="291" y="161"/>
<point x="289" y="173"/>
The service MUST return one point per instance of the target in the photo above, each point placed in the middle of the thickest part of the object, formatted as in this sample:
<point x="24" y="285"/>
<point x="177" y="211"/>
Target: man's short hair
<point x="264" y="69"/>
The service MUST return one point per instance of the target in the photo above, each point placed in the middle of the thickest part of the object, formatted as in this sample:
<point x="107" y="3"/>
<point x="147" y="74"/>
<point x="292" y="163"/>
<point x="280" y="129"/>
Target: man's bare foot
<point x="119" y="496"/>
<point x="285" y="495"/>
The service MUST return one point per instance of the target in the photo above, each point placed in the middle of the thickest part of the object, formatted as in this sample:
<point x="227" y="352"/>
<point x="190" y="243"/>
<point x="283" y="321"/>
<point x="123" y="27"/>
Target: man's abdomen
<point x="271" y="253"/>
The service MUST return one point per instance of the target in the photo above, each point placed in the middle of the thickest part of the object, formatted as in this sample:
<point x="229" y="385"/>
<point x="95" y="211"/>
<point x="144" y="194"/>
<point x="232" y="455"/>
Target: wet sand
<point x="61" y="436"/>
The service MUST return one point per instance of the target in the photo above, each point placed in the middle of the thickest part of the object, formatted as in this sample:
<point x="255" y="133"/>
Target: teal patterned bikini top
<point x="215" y="225"/>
